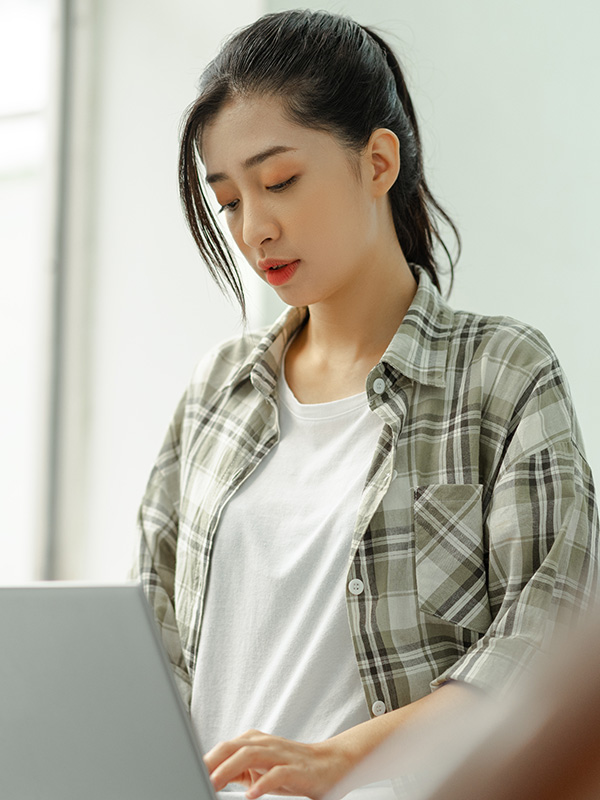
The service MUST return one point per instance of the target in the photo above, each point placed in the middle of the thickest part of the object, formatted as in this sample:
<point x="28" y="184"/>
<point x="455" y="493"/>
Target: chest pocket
<point x="450" y="567"/>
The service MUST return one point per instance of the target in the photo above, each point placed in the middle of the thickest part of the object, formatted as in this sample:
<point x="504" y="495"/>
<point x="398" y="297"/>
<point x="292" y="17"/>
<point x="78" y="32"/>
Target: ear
<point x="382" y="160"/>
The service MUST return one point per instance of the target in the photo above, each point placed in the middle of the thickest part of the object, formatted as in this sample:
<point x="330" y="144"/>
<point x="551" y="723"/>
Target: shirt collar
<point x="418" y="350"/>
<point x="264" y="362"/>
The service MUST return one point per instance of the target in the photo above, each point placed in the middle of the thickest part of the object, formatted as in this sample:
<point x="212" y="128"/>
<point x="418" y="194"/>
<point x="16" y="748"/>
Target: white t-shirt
<point x="275" y="649"/>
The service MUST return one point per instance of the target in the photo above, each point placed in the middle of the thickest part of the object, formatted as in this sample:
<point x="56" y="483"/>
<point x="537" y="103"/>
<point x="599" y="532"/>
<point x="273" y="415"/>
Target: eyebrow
<point x="253" y="161"/>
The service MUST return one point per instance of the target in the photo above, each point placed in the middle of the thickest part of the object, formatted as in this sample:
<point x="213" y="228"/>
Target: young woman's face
<point x="293" y="200"/>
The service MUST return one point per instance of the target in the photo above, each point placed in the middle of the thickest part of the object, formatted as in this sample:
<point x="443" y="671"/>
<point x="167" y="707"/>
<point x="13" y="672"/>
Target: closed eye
<point x="278" y="187"/>
<point x="229" y="206"/>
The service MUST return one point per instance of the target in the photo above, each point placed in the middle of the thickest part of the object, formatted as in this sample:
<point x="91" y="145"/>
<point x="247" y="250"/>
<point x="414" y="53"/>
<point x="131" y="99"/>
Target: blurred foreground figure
<point x="547" y="747"/>
<point x="541" y="742"/>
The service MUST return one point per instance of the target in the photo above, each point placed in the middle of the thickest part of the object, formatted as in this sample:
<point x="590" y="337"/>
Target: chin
<point x="297" y="299"/>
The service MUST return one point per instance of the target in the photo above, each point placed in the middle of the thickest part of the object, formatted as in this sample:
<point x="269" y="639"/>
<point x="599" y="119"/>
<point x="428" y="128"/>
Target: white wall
<point x="153" y="311"/>
<point x="25" y="44"/>
<point x="507" y="95"/>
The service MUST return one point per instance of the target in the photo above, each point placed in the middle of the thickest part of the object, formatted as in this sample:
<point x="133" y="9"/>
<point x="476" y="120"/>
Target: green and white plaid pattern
<point x="478" y="527"/>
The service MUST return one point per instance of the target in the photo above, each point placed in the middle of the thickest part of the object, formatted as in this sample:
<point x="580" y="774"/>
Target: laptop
<point x="88" y="705"/>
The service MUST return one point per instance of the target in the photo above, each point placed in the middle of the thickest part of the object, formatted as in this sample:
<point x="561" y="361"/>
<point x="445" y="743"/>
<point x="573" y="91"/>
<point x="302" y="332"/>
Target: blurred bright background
<point x="105" y="306"/>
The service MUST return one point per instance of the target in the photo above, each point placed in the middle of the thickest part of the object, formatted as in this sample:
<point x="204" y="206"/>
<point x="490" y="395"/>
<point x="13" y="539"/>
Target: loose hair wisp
<point x="333" y="75"/>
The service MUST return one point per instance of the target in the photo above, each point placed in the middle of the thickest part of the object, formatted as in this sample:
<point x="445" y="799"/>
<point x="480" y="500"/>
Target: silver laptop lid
<point x="88" y="705"/>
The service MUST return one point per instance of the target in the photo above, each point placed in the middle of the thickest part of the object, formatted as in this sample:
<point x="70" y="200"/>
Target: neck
<point x="360" y="324"/>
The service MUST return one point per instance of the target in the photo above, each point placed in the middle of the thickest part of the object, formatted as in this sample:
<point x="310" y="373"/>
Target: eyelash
<point x="278" y="187"/>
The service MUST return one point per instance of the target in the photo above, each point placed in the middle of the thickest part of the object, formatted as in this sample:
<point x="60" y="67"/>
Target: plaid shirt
<point x="477" y="529"/>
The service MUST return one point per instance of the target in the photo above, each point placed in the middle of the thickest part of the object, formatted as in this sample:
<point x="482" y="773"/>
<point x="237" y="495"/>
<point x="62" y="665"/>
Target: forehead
<point x="249" y="125"/>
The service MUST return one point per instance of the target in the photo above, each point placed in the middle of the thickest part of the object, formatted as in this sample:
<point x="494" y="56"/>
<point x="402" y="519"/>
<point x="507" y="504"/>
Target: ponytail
<point x="414" y="208"/>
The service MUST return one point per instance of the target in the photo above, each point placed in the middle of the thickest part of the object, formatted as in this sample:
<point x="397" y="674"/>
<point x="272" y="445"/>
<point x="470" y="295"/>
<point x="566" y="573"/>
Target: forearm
<point x="356" y="743"/>
<point x="270" y="764"/>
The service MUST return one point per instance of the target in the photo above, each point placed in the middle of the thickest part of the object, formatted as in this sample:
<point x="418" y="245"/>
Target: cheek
<point x="323" y="217"/>
<point x="337" y="225"/>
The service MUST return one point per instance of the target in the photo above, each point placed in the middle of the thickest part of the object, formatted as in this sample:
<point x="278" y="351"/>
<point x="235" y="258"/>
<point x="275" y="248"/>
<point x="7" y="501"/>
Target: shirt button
<point x="356" y="586"/>
<point x="379" y="385"/>
<point x="378" y="708"/>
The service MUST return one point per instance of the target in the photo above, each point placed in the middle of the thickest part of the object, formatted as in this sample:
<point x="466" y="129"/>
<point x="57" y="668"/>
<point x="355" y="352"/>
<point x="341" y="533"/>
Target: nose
<point x="259" y="225"/>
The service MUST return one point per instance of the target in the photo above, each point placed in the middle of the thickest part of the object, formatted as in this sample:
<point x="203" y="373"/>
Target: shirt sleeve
<point x="154" y="566"/>
<point x="541" y="532"/>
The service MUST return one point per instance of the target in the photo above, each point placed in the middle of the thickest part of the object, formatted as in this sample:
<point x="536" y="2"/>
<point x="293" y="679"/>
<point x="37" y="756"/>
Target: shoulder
<point x="519" y="377"/>
<point x="502" y="341"/>
<point x="222" y="362"/>
<point x="510" y="360"/>
<point x="221" y="365"/>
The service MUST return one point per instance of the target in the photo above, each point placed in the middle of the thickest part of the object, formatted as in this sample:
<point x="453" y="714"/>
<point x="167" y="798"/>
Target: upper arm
<point x="155" y="562"/>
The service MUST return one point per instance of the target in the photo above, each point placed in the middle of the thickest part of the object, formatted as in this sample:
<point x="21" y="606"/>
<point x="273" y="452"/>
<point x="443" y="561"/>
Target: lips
<point x="274" y="263"/>
<point x="278" y="272"/>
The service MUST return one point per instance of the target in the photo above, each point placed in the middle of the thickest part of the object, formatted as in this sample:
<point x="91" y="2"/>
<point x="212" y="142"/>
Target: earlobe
<point x="384" y="160"/>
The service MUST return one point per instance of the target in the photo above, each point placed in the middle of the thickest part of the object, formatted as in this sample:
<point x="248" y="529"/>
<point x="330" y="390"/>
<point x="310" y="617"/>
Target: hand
<point x="270" y="764"/>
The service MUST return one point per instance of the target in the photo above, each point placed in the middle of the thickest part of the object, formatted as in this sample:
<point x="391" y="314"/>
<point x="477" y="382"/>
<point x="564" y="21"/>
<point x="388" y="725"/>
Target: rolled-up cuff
<point x="494" y="665"/>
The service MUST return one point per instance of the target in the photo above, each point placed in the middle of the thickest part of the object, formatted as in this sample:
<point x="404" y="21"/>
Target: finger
<point x="224" y="750"/>
<point x="248" y="757"/>
<point x="282" y="779"/>
<point x="220" y="752"/>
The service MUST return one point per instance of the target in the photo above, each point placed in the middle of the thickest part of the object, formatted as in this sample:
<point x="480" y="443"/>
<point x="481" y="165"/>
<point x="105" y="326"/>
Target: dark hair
<point x="331" y="74"/>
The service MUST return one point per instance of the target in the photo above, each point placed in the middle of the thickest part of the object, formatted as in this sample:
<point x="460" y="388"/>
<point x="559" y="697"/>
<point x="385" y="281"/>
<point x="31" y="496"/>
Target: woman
<point x="378" y="497"/>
